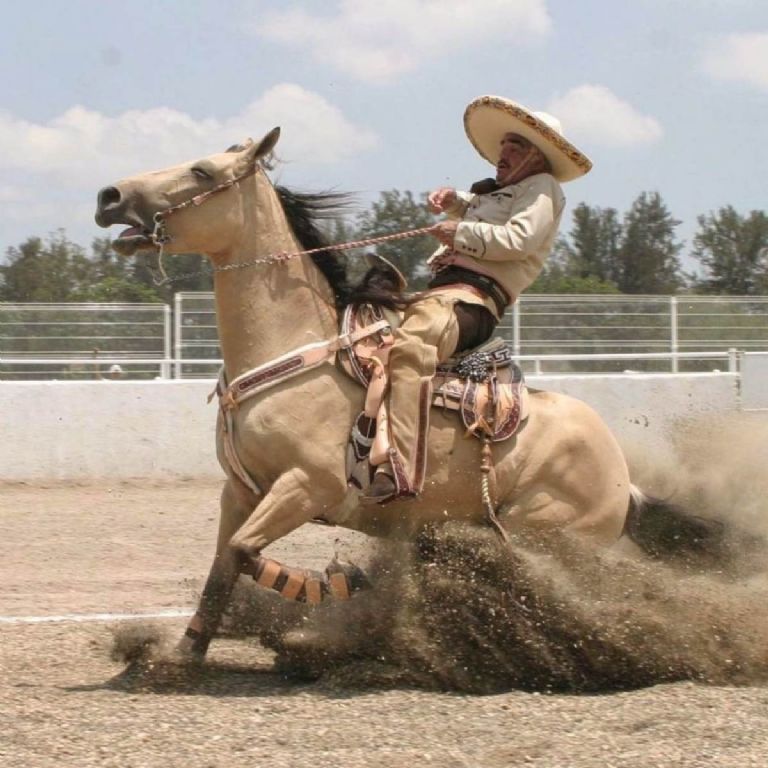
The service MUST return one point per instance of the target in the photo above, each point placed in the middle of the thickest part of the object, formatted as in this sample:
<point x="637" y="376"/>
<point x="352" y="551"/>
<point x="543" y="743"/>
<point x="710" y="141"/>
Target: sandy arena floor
<point x="77" y="550"/>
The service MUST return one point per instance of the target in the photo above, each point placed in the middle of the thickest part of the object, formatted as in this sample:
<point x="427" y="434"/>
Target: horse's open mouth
<point x="133" y="239"/>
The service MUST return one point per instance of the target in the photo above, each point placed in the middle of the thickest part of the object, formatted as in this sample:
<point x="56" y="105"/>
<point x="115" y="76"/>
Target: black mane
<point x="305" y="211"/>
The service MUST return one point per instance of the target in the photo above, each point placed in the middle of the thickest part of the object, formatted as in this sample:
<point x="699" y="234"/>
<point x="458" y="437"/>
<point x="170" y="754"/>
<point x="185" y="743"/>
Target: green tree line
<point x="604" y="251"/>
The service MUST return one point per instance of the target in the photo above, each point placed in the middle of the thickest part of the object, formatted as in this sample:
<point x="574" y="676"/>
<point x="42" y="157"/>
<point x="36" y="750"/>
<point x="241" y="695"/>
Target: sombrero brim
<point x="488" y="118"/>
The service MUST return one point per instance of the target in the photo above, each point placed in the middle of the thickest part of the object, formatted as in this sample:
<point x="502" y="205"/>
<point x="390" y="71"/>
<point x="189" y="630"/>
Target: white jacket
<point x="507" y="234"/>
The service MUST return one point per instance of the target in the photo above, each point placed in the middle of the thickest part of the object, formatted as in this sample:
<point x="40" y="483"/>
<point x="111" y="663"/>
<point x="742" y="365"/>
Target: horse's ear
<point x="267" y="144"/>
<point x="252" y="151"/>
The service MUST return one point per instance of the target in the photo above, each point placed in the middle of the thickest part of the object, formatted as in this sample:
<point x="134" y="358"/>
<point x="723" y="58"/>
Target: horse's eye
<point x="201" y="173"/>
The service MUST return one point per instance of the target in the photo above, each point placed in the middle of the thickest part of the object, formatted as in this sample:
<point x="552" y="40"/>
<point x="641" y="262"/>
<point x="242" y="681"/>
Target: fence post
<point x="165" y="370"/>
<point x="177" y="340"/>
<point x="674" y="340"/>
<point x="733" y="360"/>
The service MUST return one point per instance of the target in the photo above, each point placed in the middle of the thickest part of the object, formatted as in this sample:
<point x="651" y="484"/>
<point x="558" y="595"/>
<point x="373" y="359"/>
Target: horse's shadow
<point x="228" y="679"/>
<point x="252" y="680"/>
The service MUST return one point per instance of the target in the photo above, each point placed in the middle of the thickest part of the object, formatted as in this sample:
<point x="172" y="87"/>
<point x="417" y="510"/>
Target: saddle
<point x="483" y="385"/>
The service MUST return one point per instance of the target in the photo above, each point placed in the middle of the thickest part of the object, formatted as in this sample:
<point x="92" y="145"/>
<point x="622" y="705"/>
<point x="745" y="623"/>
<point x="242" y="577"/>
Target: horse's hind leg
<point x="237" y="503"/>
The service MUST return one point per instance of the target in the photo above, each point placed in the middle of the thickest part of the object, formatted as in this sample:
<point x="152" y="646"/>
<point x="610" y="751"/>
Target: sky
<point x="663" y="95"/>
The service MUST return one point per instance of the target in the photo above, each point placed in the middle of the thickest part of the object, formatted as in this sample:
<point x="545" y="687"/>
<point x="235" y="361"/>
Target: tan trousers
<point x="427" y="336"/>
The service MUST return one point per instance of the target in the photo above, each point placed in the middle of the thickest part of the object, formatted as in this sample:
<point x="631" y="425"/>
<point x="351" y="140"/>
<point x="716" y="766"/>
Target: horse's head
<point x="165" y="207"/>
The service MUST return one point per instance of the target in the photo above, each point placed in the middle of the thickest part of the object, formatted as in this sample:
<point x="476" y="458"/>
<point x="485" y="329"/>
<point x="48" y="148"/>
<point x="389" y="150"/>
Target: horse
<point x="563" y="471"/>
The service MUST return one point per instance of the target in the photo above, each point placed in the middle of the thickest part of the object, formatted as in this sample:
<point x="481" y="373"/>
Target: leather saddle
<point x="483" y="385"/>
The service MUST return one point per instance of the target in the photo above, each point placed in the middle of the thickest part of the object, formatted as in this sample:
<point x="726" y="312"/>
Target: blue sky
<point x="666" y="95"/>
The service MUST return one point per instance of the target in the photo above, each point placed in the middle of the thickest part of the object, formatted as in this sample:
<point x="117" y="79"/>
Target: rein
<point x="161" y="238"/>
<point x="275" y="258"/>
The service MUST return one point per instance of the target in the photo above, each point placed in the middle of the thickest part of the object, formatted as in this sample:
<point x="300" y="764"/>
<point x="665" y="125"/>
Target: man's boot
<point x="383" y="487"/>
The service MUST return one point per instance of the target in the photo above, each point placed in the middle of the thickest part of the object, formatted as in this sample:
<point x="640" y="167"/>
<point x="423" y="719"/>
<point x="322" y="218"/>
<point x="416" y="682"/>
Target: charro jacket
<point x="506" y="234"/>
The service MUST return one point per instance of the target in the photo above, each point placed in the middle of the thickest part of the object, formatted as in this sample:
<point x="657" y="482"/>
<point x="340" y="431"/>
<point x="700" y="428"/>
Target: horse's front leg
<point x="294" y="499"/>
<point x="236" y="504"/>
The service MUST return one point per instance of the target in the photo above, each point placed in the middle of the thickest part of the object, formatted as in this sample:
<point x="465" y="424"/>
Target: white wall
<point x="638" y="407"/>
<point x="162" y="429"/>
<point x="754" y="380"/>
<point x="106" y="429"/>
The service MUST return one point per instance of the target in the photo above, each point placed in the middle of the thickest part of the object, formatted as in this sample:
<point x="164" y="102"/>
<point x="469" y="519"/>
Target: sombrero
<point x="488" y="118"/>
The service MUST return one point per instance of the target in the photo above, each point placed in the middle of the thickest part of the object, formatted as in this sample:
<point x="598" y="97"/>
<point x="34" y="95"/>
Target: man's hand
<point x="445" y="232"/>
<point x="440" y="199"/>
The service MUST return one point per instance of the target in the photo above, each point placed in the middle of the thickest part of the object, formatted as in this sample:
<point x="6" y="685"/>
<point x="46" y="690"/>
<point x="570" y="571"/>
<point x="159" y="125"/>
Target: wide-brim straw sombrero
<point x="488" y="118"/>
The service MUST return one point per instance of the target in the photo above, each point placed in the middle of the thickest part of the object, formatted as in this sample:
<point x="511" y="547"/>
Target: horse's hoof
<point x="345" y="578"/>
<point x="186" y="652"/>
<point x="303" y="655"/>
<point x="303" y="641"/>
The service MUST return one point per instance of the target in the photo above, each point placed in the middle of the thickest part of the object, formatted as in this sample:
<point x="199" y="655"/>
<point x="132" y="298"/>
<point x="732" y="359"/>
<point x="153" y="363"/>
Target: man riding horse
<point x="493" y="246"/>
<point x="278" y="319"/>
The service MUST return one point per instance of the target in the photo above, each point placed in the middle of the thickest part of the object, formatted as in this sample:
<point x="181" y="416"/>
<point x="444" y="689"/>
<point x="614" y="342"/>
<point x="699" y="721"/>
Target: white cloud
<point x="81" y="147"/>
<point x="10" y="193"/>
<point x="595" y="114"/>
<point x="314" y="130"/>
<point x="740" y="58"/>
<point x="376" y="41"/>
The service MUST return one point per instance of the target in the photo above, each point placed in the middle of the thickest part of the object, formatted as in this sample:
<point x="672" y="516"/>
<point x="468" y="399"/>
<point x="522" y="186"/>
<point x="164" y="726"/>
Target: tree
<point x="112" y="278"/>
<point x="186" y="272"/>
<point x="733" y="250"/>
<point x="554" y="280"/>
<point x="592" y="247"/>
<point x="397" y="211"/>
<point x="647" y="259"/>
<point x="44" y="271"/>
<point x="57" y="270"/>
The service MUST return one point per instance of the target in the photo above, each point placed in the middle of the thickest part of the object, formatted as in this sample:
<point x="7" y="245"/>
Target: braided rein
<point x="276" y="258"/>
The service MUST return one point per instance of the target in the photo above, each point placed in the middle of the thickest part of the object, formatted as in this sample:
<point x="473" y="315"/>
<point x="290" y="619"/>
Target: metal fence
<point x="549" y="334"/>
<point x="570" y="333"/>
<point x="79" y="341"/>
<point x="196" y="338"/>
<point x="609" y="333"/>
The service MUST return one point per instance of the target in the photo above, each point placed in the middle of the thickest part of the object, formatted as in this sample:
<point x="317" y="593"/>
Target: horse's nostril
<point x="108" y="202"/>
<point x="109" y="197"/>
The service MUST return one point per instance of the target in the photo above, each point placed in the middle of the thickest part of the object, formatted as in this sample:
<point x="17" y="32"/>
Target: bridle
<point x="161" y="238"/>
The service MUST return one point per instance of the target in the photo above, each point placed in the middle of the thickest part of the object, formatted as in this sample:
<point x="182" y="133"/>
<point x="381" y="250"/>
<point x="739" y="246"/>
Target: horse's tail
<point x="666" y="531"/>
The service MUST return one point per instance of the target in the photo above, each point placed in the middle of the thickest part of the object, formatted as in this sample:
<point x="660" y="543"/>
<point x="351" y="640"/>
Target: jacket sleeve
<point x="529" y="227"/>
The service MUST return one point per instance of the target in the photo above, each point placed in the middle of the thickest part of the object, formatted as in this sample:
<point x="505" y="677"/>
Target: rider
<point x="493" y="246"/>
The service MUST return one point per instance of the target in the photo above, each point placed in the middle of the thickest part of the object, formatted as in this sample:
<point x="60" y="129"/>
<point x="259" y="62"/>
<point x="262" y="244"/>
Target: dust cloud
<point x="462" y="611"/>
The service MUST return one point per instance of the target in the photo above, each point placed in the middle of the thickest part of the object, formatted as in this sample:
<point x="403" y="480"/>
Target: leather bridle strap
<point x="161" y="237"/>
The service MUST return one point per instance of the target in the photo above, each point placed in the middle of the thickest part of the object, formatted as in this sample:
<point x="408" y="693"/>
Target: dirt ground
<point x="70" y="551"/>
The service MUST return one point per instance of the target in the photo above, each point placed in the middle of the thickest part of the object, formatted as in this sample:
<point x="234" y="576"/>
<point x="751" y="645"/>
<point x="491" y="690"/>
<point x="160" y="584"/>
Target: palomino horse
<point x="563" y="471"/>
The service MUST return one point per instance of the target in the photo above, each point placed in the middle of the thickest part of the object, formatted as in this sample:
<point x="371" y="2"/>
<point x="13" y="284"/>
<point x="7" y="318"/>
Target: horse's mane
<point x="305" y="211"/>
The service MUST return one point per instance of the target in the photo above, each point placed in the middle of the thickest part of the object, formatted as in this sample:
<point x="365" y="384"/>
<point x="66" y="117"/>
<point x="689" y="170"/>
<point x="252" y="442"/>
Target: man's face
<point x="515" y="150"/>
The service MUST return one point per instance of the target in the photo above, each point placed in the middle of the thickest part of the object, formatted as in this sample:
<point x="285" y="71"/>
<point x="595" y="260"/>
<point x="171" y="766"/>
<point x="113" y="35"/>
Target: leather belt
<point x="482" y="286"/>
